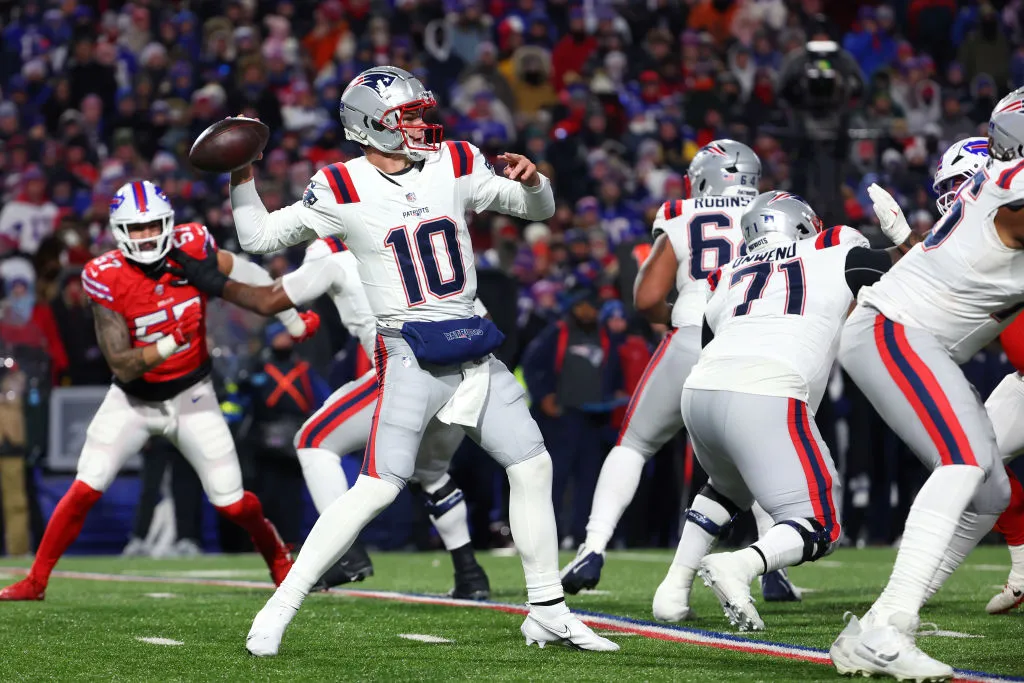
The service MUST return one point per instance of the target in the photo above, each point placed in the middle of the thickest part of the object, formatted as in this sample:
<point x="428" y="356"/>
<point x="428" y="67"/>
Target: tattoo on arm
<point x="115" y="342"/>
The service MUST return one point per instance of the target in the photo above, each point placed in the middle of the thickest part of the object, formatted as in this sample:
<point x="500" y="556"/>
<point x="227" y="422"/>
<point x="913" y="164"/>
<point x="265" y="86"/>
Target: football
<point x="229" y="144"/>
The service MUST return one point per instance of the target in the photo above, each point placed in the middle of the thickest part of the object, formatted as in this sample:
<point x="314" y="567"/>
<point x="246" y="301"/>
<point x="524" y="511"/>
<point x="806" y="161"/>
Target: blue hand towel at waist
<point x="452" y="342"/>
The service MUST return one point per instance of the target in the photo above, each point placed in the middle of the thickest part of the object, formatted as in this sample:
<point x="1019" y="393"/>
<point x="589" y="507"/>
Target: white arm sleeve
<point x="479" y="308"/>
<point x="261" y="232"/>
<point x="494" y="193"/>
<point x="247" y="272"/>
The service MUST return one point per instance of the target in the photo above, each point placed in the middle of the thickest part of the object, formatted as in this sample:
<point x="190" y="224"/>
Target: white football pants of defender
<point x="652" y="418"/>
<point x="923" y="396"/>
<point x="1005" y="407"/>
<point x="409" y="398"/>
<point x="192" y="421"/>
<point x="777" y="457"/>
<point x="342" y="425"/>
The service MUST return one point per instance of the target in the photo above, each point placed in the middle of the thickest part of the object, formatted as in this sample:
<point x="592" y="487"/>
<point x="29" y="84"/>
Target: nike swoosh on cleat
<point x="883" y="659"/>
<point x="195" y="399"/>
<point x="560" y="635"/>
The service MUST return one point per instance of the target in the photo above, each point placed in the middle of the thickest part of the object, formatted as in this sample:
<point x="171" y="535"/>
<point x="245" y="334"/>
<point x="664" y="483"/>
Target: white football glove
<point x="894" y="223"/>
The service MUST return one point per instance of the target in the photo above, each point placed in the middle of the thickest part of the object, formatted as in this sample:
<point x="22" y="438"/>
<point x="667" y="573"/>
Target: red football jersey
<point x="151" y="306"/>
<point x="1012" y="340"/>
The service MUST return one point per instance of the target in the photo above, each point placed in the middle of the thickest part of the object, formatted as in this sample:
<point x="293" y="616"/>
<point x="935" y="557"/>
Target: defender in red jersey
<point x="1005" y="408"/>
<point x="151" y="329"/>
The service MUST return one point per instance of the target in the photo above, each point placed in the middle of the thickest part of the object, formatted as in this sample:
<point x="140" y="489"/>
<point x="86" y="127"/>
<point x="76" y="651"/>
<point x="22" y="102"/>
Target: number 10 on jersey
<point x="430" y="260"/>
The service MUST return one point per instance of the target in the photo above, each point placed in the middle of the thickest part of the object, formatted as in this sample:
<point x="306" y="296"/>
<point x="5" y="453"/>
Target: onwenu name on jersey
<point x="777" y="254"/>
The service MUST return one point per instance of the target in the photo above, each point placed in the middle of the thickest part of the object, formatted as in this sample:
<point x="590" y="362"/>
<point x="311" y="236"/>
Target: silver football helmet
<point x="376" y="108"/>
<point x="136" y="204"/>
<point x="1006" y="127"/>
<point x="723" y="168"/>
<point x="775" y="218"/>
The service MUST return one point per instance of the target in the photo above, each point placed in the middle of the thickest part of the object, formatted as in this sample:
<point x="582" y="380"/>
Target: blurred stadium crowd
<point x="611" y="98"/>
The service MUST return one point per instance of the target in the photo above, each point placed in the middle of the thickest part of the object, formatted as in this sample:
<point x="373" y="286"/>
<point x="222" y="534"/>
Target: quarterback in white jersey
<point x="948" y="298"/>
<point x="342" y="424"/>
<point x="693" y="237"/>
<point x="401" y="211"/>
<point x="771" y="330"/>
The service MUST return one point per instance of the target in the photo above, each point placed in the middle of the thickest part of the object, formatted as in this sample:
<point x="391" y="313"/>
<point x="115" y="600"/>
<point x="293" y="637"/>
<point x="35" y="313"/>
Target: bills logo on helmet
<point x="977" y="147"/>
<point x="308" y="197"/>
<point x="116" y="201"/>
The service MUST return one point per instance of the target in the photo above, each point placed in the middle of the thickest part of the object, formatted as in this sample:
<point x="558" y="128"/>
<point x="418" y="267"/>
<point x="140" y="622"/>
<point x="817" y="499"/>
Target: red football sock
<point x="248" y="514"/>
<point x="63" y="528"/>
<point x="1011" y="523"/>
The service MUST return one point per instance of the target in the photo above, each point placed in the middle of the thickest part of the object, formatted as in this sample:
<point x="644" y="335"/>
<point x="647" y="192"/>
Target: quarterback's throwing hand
<point x="520" y="169"/>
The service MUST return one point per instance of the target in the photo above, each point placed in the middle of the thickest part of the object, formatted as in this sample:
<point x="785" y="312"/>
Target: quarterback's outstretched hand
<point x="520" y="169"/>
<point x="203" y="274"/>
<point x="890" y="216"/>
<point x="312" y="321"/>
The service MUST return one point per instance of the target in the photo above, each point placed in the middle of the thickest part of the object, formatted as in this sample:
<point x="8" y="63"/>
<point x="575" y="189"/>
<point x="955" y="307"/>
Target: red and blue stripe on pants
<point x="819" y="479"/>
<point x="924" y="393"/>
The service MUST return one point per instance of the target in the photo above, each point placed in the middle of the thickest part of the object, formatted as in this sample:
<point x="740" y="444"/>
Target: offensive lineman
<point x="1004" y="406"/>
<point x="401" y="211"/>
<point x="693" y="237"/>
<point x="771" y="331"/>
<point x="948" y="298"/>
<point x="342" y="424"/>
<point x="153" y="335"/>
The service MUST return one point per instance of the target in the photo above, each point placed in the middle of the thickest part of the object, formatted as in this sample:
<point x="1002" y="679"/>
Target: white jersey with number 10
<point x="705" y="235"/>
<point x="407" y="230"/>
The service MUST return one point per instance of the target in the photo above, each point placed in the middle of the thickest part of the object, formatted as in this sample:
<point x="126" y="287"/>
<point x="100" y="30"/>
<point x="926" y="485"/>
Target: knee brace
<point x="703" y="521"/>
<point x="443" y="499"/>
<point x="817" y="538"/>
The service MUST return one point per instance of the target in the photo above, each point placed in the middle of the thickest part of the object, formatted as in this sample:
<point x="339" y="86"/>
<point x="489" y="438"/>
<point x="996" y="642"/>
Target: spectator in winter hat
<point x="29" y="219"/>
<point x="531" y="82"/>
<point x="328" y="28"/>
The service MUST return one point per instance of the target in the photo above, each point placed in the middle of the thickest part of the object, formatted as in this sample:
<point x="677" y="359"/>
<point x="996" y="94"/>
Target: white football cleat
<point x="566" y="629"/>
<point x="731" y="585"/>
<point x="264" y="639"/>
<point x="1007" y="599"/>
<point x="671" y="602"/>
<point x="889" y="650"/>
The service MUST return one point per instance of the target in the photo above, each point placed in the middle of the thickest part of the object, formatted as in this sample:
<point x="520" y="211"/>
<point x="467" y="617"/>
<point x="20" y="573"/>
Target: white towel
<point x="466" y="404"/>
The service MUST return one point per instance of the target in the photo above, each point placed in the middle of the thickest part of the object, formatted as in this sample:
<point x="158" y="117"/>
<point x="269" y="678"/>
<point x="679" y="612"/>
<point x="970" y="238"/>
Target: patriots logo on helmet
<point x="1014" y="105"/>
<point x="712" y="149"/>
<point x="375" y="81"/>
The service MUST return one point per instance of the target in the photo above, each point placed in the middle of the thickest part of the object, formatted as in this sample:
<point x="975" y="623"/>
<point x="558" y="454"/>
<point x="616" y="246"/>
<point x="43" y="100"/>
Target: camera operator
<point x="818" y="83"/>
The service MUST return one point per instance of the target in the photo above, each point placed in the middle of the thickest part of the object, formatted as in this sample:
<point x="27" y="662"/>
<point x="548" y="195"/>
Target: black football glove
<point x="203" y="274"/>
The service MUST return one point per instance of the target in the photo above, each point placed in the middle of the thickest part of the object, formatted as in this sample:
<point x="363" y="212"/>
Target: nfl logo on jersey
<point x="411" y="197"/>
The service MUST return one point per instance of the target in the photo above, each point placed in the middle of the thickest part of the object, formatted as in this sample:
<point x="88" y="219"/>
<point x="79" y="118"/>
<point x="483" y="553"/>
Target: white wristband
<point x="166" y="346"/>
<point x="293" y="323"/>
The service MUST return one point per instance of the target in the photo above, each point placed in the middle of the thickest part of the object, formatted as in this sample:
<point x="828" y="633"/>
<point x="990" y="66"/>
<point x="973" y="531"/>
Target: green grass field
<point x="88" y="629"/>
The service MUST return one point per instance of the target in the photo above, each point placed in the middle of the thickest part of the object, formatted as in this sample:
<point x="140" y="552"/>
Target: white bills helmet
<point x="723" y="168"/>
<point x="1006" y="127"/>
<point x="137" y="204"/>
<point x="777" y="217"/>
<point x="958" y="163"/>
<point x="374" y="107"/>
